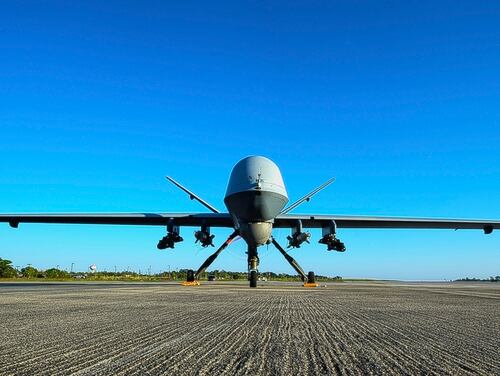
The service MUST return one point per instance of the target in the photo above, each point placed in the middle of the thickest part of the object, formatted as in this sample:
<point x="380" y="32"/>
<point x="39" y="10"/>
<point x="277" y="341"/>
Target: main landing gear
<point x="309" y="279"/>
<point x="253" y="265"/>
<point x="192" y="277"/>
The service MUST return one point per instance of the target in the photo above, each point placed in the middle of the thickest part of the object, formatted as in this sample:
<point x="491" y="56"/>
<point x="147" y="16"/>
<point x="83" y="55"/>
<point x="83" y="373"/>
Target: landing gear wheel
<point x="311" y="278"/>
<point x="253" y="278"/>
<point x="190" y="279"/>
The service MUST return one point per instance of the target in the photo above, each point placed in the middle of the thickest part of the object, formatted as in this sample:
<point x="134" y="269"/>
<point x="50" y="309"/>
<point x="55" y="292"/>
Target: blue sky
<point x="400" y="101"/>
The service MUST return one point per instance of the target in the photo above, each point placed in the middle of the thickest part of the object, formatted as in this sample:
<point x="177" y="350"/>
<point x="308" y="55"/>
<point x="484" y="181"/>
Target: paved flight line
<point x="353" y="328"/>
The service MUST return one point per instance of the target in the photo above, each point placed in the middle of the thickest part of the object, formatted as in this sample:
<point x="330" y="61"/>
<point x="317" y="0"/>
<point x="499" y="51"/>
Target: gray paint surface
<point x="256" y="173"/>
<point x="224" y="220"/>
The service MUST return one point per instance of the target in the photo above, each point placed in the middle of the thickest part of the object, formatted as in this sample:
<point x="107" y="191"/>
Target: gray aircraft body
<point x="256" y="200"/>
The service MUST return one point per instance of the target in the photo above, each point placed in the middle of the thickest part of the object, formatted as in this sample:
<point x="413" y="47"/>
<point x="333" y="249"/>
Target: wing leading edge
<point x="151" y="219"/>
<point x="342" y="221"/>
<point x="224" y="220"/>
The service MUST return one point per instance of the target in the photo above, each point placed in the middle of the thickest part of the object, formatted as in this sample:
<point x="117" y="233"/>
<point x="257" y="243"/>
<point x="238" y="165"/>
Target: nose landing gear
<point x="253" y="266"/>
<point x="253" y="278"/>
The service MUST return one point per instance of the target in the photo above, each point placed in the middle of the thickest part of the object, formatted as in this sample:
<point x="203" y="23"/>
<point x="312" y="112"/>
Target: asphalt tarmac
<point x="222" y="328"/>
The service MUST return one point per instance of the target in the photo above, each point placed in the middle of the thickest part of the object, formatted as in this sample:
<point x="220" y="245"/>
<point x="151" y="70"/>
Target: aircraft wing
<point x="152" y="219"/>
<point x="224" y="220"/>
<point x="343" y="221"/>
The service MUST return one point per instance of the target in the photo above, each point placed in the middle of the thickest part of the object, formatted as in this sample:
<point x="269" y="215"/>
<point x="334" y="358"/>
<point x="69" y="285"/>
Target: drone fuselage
<point x="255" y="195"/>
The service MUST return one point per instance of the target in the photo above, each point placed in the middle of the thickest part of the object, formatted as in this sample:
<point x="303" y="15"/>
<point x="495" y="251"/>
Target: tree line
<point x="491" y="279"/>
<point x="8" y="271"/>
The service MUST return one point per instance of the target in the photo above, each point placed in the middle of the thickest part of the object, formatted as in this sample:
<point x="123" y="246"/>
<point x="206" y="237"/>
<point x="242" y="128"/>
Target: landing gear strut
<point x="192" y="277"/>
<point x="309" y="280"/>
<point x="253" y="266"/>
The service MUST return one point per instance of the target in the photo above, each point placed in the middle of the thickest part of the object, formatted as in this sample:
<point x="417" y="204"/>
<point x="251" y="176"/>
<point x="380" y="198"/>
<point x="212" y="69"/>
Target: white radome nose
<point x="255" y="191"/>
<point x="256" y="173"/>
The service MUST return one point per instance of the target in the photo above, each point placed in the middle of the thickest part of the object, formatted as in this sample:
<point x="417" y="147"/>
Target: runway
<point x="341" y="328"/>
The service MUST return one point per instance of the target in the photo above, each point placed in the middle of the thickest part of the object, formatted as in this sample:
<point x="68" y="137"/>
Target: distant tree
<point x="29" y="272"/>
<point x="6" y="269"/>
<point x="56" y="273"/>
<point x="52" y="273"/>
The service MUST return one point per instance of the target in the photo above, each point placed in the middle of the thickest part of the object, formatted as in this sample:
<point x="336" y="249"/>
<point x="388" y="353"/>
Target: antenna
<point x="193" y="196"/>
<point x="308" y="196"/>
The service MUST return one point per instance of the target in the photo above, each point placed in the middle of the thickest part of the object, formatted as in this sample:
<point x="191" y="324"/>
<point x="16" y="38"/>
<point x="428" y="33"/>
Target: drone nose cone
<point x="255" y="190"/>
<point x="256" y="173"/>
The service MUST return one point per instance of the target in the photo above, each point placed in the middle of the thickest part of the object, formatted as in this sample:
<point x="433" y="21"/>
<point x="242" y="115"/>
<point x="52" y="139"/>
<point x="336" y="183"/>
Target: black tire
<point x="311" y="278"/>
<point x="253" y="278"/>
<point x="190" y="276"/>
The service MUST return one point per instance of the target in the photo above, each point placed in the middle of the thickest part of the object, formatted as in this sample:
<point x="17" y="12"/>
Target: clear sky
<point x="400" y="101"/>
